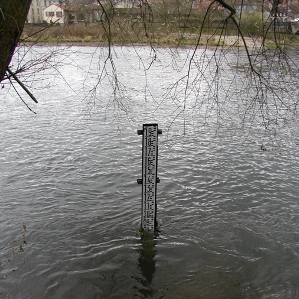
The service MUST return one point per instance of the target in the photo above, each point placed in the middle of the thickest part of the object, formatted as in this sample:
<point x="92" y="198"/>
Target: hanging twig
<point x="22" y="85"/>
<point x="20" y="96"/>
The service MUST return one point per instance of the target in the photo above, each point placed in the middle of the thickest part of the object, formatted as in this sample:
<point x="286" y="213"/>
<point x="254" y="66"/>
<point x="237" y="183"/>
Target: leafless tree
<point x="264" y="82"/>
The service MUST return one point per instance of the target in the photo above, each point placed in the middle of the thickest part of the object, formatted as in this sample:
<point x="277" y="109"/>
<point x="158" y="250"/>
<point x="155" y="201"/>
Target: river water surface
<point x="228" y="210"/>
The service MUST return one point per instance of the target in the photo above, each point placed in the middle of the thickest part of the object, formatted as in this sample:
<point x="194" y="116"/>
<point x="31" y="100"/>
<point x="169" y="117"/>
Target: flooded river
<point x="227" y="201"/>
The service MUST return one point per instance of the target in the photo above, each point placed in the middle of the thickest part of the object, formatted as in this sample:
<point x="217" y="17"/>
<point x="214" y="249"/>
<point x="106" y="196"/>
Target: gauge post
<point x="149" y="176"/>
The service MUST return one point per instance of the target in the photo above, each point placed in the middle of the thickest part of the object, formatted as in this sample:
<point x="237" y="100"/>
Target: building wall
<point x="35" y="14"/>
<point x="48" y="2"/>
<point x="125" y="3"/>
<point x="53" y="14"/>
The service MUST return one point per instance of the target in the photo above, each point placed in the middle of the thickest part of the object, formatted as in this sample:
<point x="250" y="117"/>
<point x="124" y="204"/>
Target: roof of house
<point x="76" y="8"/>
<point x="292" y="7"/>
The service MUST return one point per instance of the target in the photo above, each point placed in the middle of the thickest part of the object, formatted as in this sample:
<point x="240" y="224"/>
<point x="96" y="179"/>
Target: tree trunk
<point x="13" y="15"/>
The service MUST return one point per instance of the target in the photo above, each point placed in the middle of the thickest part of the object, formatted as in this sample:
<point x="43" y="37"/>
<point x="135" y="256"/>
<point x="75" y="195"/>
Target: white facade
<point x="48" y="2"/>
<point x="35" y="14"/>
<point x="126" y="3"/>
<point x="53" y="14"/>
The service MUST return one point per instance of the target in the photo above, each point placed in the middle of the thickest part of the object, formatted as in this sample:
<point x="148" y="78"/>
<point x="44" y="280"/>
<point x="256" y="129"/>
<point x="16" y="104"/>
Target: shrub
<point x="252" y="23"/>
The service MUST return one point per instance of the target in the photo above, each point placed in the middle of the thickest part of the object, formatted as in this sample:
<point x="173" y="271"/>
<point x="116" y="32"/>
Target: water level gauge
<point x="149" y="175"/>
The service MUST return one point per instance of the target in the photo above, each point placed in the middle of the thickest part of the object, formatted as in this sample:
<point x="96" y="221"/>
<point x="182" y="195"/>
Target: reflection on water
<point x="229" y="210"/>
<point x="146" y="264"/>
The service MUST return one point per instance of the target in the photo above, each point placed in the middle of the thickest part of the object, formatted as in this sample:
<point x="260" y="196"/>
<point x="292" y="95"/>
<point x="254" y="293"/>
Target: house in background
<point x="287" y="10"/>
<point x="248" y="6"/>
<point x="241" y="6"/>
<point x="48" y="2"/>
<point x="72" y="14"/>
<point x="35" y="13"/>
<point x="93" y="13"/>
<point x="126" y="3"/>
<point x="53" y="13"/>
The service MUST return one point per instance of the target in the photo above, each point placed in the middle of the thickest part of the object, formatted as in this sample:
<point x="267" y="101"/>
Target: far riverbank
<point x="95" y="34"/>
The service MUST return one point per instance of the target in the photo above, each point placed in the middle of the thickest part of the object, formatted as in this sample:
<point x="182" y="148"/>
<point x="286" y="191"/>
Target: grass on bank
<point x="173" y="30"/>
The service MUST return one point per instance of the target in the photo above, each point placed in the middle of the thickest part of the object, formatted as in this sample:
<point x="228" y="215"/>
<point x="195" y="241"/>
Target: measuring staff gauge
<point x="149" y="175"/>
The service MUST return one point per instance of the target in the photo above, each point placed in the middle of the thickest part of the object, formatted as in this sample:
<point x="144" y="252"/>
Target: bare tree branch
<point x="22" y="85"/>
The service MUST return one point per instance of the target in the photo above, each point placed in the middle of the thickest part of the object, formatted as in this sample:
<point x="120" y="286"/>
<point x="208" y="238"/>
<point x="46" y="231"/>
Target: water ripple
<point x="228" y="211"/>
